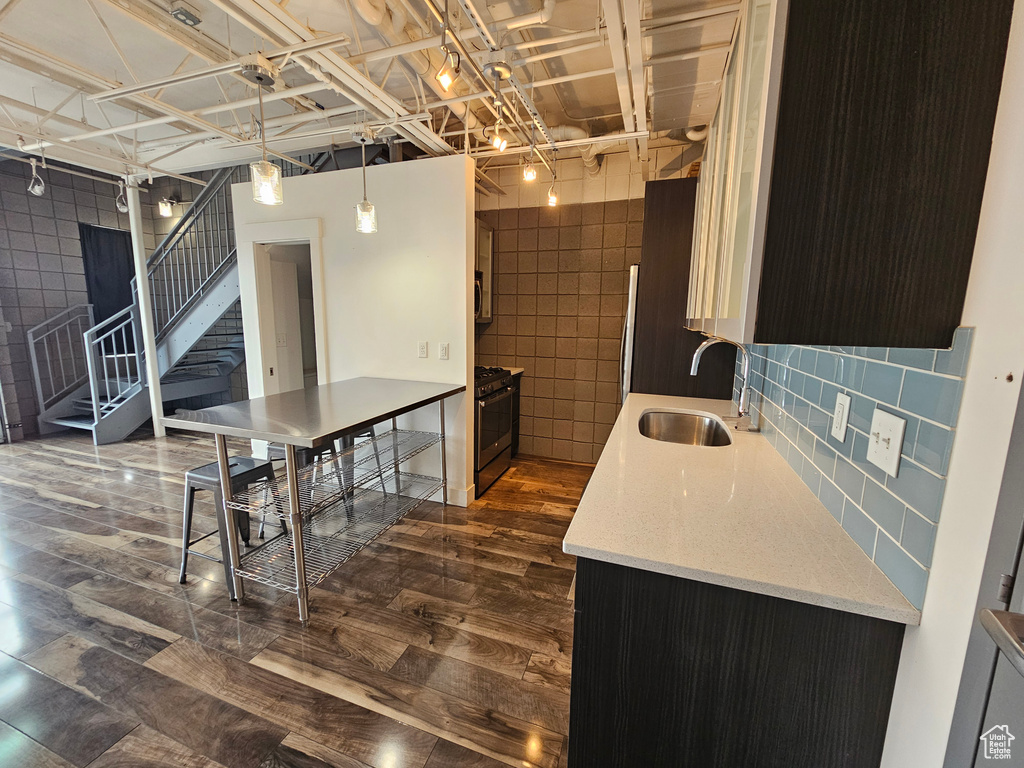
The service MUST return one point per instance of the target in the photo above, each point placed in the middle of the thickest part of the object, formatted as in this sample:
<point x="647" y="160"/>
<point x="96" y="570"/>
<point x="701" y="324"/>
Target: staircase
<point x="92" y="376"/>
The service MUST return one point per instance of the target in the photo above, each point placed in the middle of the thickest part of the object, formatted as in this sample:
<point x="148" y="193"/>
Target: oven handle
<point x="496" y="398"/>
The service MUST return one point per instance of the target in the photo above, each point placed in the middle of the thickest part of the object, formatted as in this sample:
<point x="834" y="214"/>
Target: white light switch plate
<point x="421" y="349"/>
<point x="841" y="417"/>
<point x="885" y="442"/>
<point x="442" y="350"/>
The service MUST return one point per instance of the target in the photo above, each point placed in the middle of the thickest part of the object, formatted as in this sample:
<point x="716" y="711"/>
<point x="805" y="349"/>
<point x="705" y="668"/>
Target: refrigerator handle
<point x="628" y="331"/>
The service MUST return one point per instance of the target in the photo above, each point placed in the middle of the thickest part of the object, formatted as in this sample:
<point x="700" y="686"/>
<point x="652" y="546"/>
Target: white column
<point x="145" y="309"/>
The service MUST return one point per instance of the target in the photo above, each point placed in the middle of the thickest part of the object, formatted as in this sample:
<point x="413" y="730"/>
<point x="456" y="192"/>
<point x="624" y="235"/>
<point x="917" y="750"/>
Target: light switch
<point x="442" y="350"/>
<point x="841" y="417"/>
<point x="885" y="441"/>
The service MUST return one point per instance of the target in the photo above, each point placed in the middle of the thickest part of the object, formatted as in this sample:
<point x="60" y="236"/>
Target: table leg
<point x="228" y="519"/>
<point x="295" y="513"/>
<point x="444" y="456"/>
<point x="394" y="452"/>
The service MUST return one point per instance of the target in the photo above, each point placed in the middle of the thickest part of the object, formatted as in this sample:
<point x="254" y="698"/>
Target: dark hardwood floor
<point x="445" y="643"/>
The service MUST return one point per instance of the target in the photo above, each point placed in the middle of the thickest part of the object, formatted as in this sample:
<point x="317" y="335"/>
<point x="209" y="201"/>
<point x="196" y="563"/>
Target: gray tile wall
<point x="560" y="283"/>
<point x="893" y="519"/>
<point x="41" y="270"/>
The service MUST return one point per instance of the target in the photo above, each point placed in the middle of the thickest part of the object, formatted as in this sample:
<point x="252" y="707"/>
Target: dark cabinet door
<point x="662" y="346"/>
<point x="882" y="145"/>
<point x="673" y="673"/>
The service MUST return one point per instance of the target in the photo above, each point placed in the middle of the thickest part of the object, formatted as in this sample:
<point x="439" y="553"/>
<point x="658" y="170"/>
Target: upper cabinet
<point x="843" y="173"/>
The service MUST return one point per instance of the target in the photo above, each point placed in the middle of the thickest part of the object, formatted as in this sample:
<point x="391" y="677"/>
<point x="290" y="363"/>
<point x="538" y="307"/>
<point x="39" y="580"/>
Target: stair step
<point x="75" y="422"/>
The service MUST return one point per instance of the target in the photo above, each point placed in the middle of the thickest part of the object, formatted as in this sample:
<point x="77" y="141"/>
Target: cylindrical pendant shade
<point x="366" y="218"/>
<point x="266" y="183"/>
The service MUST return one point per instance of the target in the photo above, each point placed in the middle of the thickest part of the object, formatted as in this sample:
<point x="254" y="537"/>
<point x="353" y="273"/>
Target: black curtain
<point x="109" y="269"/>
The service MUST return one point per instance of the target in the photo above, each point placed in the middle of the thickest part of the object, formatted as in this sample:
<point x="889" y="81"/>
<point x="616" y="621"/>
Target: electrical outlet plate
<point x="421" y="349"/>
<point x="442" y="350"/>
<point x="885" y="442"/>
<point x="841" y="417"/>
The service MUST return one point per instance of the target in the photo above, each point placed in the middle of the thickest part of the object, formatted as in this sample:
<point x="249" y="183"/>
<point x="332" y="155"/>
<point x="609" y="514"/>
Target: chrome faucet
<point x="745" y="387"/>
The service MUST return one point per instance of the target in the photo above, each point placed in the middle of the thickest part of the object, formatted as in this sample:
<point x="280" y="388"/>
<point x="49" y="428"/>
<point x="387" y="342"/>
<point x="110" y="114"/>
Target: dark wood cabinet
<point x="663" y="346"/>
<point x="674" y="673"/>
<point x="841" y="206"/>
<point x="882" y="143"/>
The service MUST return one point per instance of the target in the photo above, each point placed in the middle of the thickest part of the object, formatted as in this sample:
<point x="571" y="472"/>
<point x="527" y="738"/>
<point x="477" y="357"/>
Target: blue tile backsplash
<point x="893" y="519"/>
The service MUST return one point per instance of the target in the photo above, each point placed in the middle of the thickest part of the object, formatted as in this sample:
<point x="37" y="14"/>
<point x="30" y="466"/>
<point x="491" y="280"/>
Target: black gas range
<point x="493" y="389"/>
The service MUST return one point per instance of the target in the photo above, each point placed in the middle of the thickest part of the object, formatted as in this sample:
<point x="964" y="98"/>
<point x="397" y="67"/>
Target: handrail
<point x="220" y="178"/>
<point x="61" y="347"/>
<point x="193" y="254"/>
<point x="113" y="345"/>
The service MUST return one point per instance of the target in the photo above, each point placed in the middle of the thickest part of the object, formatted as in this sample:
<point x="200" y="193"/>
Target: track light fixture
<point x="36" y="186"/>
<point x="449" y="71"/>
<point x="121" y="201"/>
<point x="529" y="170"/>
<point x="552" y="197"/>
<point x="366" y="214"/>
<point x="166" y="206"/>
<point x="266" y="177"/>
<point x="498" y="141"/>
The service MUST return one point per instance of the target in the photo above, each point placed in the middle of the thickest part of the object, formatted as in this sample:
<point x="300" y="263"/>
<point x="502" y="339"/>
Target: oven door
<point x="493" y="425"/>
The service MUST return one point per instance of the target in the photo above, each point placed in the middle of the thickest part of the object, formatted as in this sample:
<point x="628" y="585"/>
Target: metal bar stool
<point x="245" y="471"/>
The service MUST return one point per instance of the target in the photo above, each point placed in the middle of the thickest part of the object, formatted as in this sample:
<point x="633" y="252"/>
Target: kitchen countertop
<point x="737" y="516"/>
<point x="302" y="417"/>
<point x="516" y="371"/>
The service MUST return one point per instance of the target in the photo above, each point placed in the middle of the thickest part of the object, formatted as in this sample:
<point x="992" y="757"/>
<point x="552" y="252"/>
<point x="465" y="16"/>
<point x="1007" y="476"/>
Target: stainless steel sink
<point x="685" y="428"/>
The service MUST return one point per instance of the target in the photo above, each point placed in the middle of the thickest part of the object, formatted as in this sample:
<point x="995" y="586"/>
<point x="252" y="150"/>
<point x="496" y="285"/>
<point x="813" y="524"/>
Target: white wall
<point x="377" y="295"/>
<point x="933" y="654"/>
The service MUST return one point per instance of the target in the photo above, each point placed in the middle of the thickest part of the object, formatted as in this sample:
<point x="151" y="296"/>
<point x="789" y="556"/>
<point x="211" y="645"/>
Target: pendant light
<point x="36" y="186"/>
<point x="121" y="201"/>
<point x="366" y="214"/>
<point x="266" y="177"/>
<point x="498" y="141"/>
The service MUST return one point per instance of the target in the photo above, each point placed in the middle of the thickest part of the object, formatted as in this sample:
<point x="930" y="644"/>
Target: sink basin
<point x="684" y="428"/>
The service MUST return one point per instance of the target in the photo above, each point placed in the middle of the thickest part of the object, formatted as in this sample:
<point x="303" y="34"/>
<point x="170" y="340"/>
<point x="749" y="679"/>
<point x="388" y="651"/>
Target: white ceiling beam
<point x="268" y="18"/>
<point x="696" y="53"/>
<point x="224" y="68"/>
<point x="638" y="79"/>
<point x="617" y="44"/>
<point x="156" y="18"/>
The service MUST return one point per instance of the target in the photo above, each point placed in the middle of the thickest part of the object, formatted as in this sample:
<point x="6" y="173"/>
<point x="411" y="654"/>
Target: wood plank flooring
<point x="446" y="643"/>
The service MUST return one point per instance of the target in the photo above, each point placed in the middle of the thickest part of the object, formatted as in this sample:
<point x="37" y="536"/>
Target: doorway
<point x="109" y="269"/>
<point x="291" y="325"/>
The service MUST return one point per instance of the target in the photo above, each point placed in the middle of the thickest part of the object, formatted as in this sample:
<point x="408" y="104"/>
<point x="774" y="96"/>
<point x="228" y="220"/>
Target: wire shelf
<point x="338" y="532"/>
<point x="333" y="478"/>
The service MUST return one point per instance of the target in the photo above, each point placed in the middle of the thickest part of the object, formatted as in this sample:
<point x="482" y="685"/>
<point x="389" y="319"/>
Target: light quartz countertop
<point x="737" y="516"/>
<point x="516" y="371"/>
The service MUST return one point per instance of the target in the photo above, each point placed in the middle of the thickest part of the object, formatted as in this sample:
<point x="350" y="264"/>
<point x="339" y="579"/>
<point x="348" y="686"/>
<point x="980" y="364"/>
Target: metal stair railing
<point x="194" y="254"/>
<point x="59" y="354"/>
<point x="116" y="369"/>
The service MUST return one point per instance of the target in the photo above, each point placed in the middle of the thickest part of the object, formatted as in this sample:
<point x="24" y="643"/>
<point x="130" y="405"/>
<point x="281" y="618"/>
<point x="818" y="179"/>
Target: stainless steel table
<point x="307" y="418"/>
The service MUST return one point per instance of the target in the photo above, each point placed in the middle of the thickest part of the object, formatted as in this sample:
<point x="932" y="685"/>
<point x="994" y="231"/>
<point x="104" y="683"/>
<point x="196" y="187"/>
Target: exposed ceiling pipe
<point x="297" y="118"/>
<point x="189" y="137"/>
<point x="543" y="16"/>
<point x="270" y="19"/>
<point x="697" y="133"/>
<point x="424" y="62"/>
<point x="228" y="67"/>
